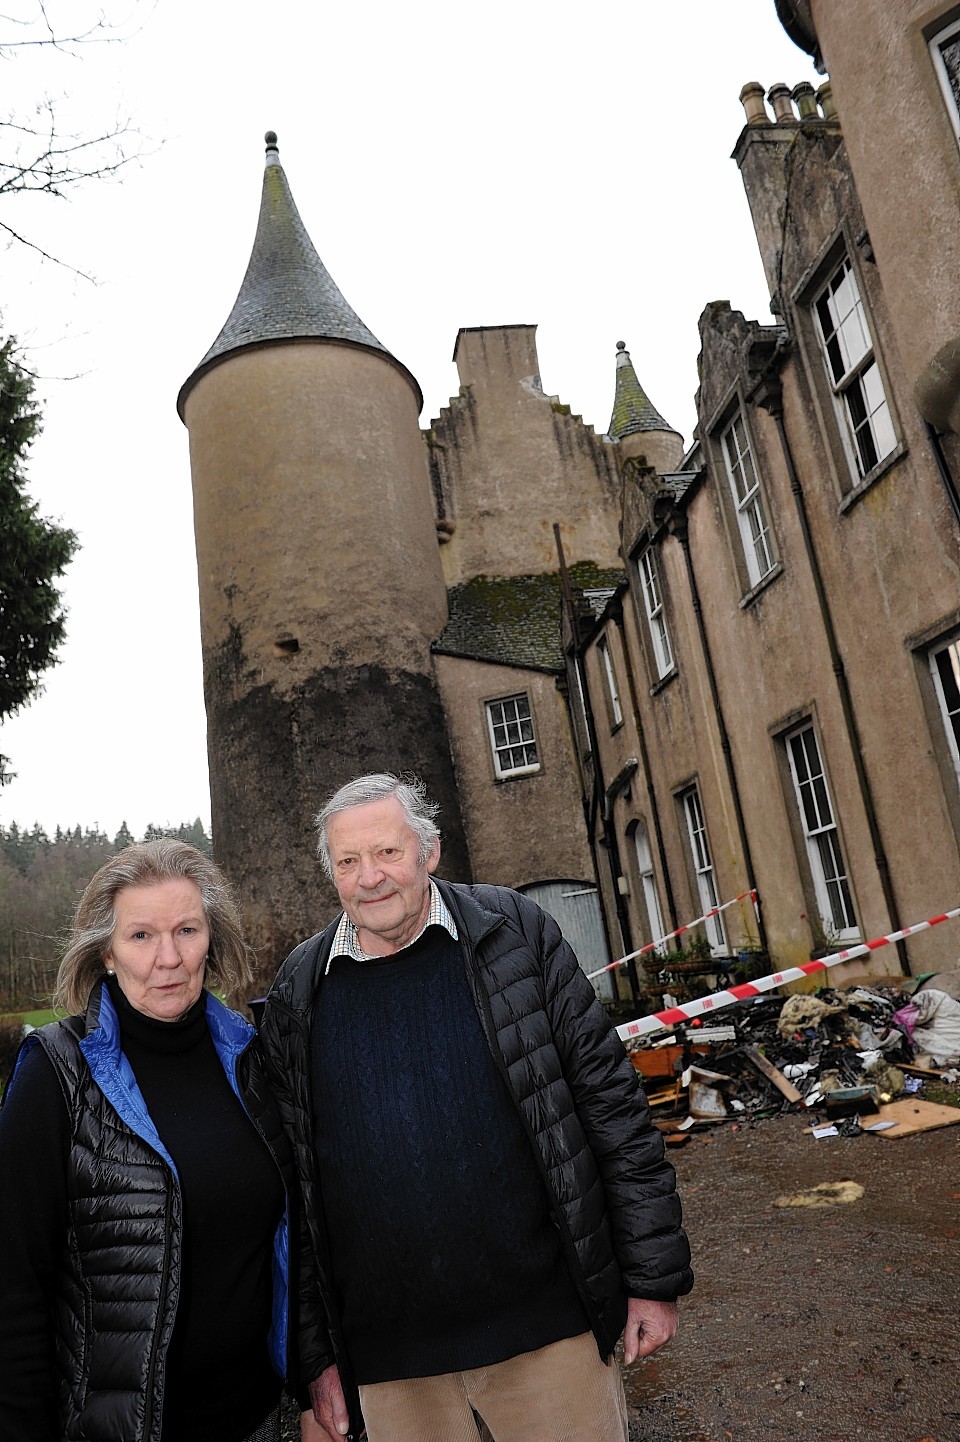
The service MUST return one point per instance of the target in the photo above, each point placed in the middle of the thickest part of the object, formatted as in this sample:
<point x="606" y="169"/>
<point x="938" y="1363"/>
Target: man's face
<point x="383" y="885"/>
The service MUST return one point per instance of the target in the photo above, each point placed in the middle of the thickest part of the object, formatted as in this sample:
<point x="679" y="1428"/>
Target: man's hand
<point x="650" y="1325"/>
<point x="328" y="1422"/>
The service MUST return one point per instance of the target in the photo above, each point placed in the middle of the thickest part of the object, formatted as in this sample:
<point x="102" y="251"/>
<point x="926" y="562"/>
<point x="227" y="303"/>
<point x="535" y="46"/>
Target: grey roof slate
<point x="633" y="412"/>
<point x="679" y="482"/>
<point x="515" y="620"/>
<point x="287" y="293"/>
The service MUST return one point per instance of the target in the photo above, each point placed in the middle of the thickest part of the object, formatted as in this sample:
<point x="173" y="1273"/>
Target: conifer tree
<point x="34" y="551"/>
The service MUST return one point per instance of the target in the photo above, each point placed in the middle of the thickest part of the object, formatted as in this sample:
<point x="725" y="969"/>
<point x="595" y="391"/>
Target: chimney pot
<point x="779" y="97"/>
<point x="825" y="96"/>
<point x="751" y="98"/>
<point x="805" y="99"/>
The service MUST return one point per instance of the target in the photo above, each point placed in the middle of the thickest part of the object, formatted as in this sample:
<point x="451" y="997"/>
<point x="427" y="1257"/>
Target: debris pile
<point x="845" y="1055"/>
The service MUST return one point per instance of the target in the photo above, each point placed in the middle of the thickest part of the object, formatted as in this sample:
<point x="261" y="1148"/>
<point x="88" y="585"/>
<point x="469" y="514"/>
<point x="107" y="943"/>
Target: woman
<point x="144" y="1179"/>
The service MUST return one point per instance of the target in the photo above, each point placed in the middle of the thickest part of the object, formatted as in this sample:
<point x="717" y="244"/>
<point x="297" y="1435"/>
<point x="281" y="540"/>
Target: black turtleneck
<point x="232" y="1201"/>
<point x="219" y="1382"/>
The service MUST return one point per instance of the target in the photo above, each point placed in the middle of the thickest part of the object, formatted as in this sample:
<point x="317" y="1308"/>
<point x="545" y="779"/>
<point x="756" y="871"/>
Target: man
<point x="487" y="1204"/>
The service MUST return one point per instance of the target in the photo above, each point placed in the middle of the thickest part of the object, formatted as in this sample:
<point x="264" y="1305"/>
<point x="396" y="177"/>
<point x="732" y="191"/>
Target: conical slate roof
<point x="632" y="411"/>
<point x="287" y="293"/>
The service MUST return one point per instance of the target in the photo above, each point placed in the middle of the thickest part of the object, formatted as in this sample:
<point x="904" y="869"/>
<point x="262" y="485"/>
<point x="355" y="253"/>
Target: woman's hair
<point x="148" y="864"/>
<point x="418" y="809"/>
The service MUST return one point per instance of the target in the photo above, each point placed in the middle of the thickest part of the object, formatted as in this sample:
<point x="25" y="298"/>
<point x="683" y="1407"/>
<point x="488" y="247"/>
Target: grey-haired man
<point x="488" y="1207"/>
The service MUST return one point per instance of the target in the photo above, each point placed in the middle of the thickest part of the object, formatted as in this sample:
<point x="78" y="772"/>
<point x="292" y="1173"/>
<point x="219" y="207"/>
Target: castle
<point x="641" y="681"/>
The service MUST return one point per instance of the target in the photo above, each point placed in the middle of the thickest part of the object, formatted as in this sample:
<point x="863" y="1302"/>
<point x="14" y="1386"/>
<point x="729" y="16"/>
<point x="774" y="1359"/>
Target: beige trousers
<point x="561" y="1393"/>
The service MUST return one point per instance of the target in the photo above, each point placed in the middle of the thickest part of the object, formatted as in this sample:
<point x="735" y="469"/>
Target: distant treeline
<point x="41" y="878"/>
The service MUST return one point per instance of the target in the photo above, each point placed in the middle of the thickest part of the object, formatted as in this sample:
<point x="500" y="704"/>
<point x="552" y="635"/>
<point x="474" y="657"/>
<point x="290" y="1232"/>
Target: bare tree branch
<point x="100" y="32"/>
<point x="31" y="245"/>
<point x="43" y="160"/>
<point x="36" y="154"/>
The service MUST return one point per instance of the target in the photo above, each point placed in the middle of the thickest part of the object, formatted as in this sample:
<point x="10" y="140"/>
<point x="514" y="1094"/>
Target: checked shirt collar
<point x="345" y="941"/>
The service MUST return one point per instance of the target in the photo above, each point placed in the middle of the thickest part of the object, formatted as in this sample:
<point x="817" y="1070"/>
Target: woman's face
<point x="159" y="947"/>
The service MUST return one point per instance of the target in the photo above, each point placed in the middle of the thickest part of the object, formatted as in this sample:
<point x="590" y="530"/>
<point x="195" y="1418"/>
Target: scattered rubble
<point x="844" y="1056"/>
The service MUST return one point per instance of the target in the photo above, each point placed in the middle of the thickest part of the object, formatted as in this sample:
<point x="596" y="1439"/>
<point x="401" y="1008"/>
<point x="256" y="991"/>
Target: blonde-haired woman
<point x="145" y="1183"/>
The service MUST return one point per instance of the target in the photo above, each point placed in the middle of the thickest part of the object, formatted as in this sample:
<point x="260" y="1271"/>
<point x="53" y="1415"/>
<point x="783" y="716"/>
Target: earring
<point x="110" y="971"/>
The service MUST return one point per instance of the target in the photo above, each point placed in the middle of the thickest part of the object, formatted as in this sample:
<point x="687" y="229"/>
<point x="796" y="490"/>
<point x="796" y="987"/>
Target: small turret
<point x="637" y="425"/>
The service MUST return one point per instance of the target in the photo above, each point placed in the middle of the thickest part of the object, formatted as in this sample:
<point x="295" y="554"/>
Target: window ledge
<point x="525" y="775"/>
<point x="664" y="682"/>
<point x="871" y="478"/>
<point x="750" y="596"/>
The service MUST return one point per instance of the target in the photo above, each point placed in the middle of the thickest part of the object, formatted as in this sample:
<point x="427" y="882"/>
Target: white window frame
<point x="949" y="35"/>
<point x="648" y="882"/>
<point x="512" y="730"/>
<point x="747" y="499"/>
<point x="703" y="868"/>
<point x="653" y="609"/>
<point x="859" y="397"/>
<point x="613" y="693"/>
<point x="831" y="883"/>
<point x="945" y="669"/>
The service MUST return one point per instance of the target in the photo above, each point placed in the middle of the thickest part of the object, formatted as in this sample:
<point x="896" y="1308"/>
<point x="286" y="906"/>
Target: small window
<point x="830" y="882"/>
<point x="648" y="883"/>
<point x="512" y="739"/>
<point x="653" y="608"/>
<point x="703" y="868"/>
<point x="853" y="372"/>
<point x="613" y="695"/>
<point x="945" y="51"/>
<point x="748" y="499"/>
<point x="945" y="665"/>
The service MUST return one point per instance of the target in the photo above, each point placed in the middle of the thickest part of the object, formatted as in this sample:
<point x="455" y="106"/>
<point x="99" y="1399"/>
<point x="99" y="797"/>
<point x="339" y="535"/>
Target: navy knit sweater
<point x="445" y="1256"/>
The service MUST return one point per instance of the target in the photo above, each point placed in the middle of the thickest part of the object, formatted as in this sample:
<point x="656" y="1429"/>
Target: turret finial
<point x="271" y="139"/>
<point x="621" y="345"/>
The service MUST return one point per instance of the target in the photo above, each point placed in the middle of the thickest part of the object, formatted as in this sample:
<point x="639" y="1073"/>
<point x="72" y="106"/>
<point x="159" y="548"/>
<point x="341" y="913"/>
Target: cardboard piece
<point x="704" y="1101"/>
<point x="913" y="1115"/>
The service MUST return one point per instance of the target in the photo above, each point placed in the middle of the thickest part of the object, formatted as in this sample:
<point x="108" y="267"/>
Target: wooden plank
<point x="913" y="1115"/>
<point x="934" y="1071"/>
<point x="670" y="1094"/>
<point x="771" y="1072"/>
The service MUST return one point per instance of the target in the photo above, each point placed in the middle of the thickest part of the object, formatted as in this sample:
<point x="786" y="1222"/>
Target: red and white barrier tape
<point x="675" y="1015"/>
<point x="652" y="945"/>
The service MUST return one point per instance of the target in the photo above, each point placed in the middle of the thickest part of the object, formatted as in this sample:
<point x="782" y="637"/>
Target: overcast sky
<point x="520" y="162"/>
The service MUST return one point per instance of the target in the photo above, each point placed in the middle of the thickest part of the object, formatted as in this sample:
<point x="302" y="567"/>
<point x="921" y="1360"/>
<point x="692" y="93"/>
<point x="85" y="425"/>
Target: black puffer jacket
<point x="612" y="1191"/>
<point x="118" y="1280"/>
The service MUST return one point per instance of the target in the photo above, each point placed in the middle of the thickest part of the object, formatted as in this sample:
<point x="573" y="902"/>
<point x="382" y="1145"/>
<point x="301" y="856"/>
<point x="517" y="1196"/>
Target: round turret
<point x="320" y="581"/>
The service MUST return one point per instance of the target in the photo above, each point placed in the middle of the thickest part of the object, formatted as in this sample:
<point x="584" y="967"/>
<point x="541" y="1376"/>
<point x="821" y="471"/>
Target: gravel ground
<point x="808" y="1324"/>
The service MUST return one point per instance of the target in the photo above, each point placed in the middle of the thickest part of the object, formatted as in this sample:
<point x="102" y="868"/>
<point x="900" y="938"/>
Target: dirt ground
<point x="810" y="1324"/>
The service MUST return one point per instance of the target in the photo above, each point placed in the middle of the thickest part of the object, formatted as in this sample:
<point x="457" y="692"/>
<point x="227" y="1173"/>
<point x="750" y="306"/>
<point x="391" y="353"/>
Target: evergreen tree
<point x="33" y="551"/>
